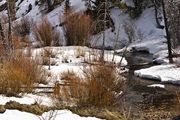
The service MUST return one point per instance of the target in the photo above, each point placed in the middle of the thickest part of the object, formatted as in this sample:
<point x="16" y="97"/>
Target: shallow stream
<point x="138" y="96"/>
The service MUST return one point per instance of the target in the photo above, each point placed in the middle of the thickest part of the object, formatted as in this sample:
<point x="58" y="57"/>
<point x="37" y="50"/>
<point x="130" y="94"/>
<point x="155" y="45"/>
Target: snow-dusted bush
<point x="79" y="52"/>
<point x="130" y="30"/>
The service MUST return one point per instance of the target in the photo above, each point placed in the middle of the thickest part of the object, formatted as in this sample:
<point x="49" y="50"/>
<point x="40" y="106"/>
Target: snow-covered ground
<point x="65" y="58"/>
<point x="157" y="85"/>
<point x="28" y="99"/>
<point x="56" y="115"/>
<point x="73" y="58"/>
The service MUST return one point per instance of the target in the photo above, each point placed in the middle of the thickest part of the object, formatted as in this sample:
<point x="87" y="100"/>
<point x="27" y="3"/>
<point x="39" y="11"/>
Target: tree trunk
<point x="4" y="43"/>
<point x="167" y="33"/>
<point x="156" y="14"/>
<point x="9" y="40"/>
<point x="104" y="33"/>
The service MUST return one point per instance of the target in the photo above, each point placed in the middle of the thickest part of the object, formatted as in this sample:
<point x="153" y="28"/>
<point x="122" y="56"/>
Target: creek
<point x="139" y="96"/>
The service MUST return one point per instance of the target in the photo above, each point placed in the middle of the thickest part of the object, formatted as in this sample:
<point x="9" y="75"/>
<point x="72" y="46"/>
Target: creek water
<point x="138" y="96"/>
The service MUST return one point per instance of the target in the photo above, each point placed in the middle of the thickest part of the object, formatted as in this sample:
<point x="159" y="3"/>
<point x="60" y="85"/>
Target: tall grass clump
<point x="104" y="85"/>
<point x="45" y="34"/>
<point x="77" y="28"/>
<point x="99" y="86"/>
<point x="18" y="75"/>
<point x="75" y="85"/>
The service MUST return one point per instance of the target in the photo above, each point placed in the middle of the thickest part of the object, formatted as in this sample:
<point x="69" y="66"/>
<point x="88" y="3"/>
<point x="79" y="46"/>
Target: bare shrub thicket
<point x="77" y="28"/>
<point x="46" y="35"/>
<point x="19" y="74"/>
<point x="4" y="18"/>
<point x="173" y="14"/>
<point x="22" y="27"/>
<point x="104" y="85"/>
<point x="130" y="31"/>
<point x="75" y="86"/>
<point x="2" y="51"/>
<point x="99" y="86"/>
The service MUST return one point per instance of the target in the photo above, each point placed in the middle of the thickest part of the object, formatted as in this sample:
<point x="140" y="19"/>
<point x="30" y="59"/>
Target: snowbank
<point x="27" y="99"/>
<point x="58" y="115"/>
<point x="164" y="73"/>
<point x="157" y="85"/>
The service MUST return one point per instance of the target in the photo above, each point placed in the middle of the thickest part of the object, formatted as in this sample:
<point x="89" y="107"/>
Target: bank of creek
<point x="141" y="99"/>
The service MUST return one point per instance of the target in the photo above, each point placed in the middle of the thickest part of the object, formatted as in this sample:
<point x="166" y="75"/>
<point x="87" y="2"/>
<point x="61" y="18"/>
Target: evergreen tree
<point x="67" y="6"/>
<point x="50" y="5"/>
<point x="101" y="14"/>
<point x="173" y="19"/>
<point x="137" y="9"/>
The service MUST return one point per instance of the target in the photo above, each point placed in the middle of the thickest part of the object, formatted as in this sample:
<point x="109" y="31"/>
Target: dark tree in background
<point x="157" y="10"/>
<point x="136" y="11"/>
<point x="173" y="20"/>
<point x="50" y="5"/>
<point x="167" y="33"/>
<point x="67" y="6"/>
<point x="100" y="9"/>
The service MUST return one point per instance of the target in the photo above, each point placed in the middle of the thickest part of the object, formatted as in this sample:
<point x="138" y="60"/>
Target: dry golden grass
<point x="45" y="34"/>
<point x="34" y="108"/>
<point x="79" y="52"/>
<point x="19" y="74"/>
<point x="103" y="85"/>
<point x="75" y="85"/>
<point x="99" y="86"/>
<point x="77" y="28"/>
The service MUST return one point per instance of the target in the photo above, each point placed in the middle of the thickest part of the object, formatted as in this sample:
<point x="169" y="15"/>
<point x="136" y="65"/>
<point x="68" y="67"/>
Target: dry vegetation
<point x="79" y="52"/>
<point x="34" y="108"/>
<point x="77" y="28"/>
<point x="103" y="85"/>
<point x="23" y="27"/>
<point x="99" y="86"/>
<point x="46" y="35"/>
<point x="19" y="74"/>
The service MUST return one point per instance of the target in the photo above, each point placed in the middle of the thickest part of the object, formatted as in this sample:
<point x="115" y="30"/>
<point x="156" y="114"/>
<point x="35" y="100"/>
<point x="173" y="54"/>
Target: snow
<point x="128" y="2"/>
<point x="78" y="5"/>
<point x="2" y="2"/>
<point x="58" y="115"/>
<point x="28" y="99"/>
<point x="157" y="85"/>
<point x="73" y="58"/>
<point x="15" y="114"/>
<point x="71" y="53"/>
<point x="146" y="23"/>
<point x="165" y="73"/>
